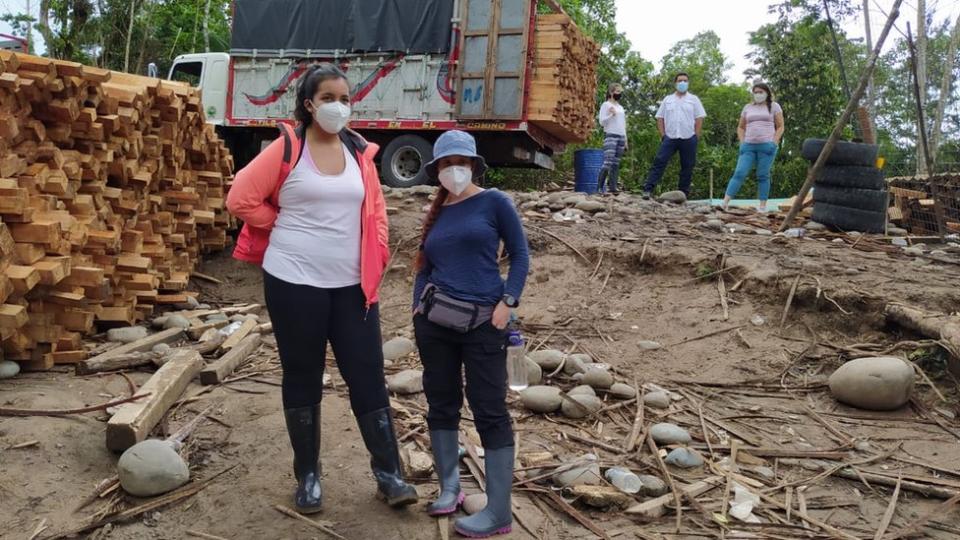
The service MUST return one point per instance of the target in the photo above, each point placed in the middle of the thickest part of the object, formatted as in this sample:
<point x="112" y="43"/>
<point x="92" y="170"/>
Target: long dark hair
<point x="309" y="84"/>
<point x="421" y="261"/>
<point x="765" y="88"/>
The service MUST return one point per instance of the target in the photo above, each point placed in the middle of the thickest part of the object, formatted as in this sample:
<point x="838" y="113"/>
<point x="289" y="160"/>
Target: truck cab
<point x="211" y="73"/>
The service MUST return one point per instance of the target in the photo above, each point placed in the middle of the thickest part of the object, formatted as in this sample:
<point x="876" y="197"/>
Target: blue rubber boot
<point x="446" y="459"/>
<point x="497" y="517"/>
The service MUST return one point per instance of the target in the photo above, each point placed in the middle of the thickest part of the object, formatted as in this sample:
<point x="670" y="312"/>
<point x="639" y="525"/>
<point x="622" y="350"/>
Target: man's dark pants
<point x="688" y="159"/>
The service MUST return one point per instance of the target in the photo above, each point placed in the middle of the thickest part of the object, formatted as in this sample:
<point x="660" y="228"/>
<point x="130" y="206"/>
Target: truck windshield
<point x="188" y="72"/>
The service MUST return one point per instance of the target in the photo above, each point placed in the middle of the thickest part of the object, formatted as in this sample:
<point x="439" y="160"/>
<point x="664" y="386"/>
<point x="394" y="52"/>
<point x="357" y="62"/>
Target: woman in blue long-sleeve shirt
<point x="458" y="264"/>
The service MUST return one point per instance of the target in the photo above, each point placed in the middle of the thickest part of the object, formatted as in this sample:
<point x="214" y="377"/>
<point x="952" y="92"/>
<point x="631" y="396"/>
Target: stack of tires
<point x="850" y="193"/>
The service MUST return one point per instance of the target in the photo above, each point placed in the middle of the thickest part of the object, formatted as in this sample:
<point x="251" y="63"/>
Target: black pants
<point x="688" y="160"/>
<point x="482" y="354"/>
<point x="304" y="318"/>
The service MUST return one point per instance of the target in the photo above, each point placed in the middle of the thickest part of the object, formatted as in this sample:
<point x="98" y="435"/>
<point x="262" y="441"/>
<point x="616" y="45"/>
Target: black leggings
<point x="482" y="354"/>
<point x="304" y="318"/>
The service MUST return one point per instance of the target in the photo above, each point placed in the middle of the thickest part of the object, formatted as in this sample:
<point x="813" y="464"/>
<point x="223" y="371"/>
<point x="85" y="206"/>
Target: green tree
<point x="63" y="25"/>
<point x="21" y="23"/>
<point x="701" y="58"/>
<point x="896" y="109"/>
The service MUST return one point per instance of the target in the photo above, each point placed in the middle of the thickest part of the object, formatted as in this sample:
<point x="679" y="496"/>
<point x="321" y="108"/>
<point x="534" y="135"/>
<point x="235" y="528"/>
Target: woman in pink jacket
<point x="315" y="219"/>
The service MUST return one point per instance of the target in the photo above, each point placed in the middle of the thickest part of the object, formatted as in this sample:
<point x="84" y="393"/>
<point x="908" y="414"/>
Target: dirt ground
<point x="635" y="278"/>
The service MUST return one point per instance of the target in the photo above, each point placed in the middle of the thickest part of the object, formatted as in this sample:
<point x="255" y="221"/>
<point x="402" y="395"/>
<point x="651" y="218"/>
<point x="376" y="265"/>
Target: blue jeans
<point x="761" y="155"/>
<point x="688" y="158"/>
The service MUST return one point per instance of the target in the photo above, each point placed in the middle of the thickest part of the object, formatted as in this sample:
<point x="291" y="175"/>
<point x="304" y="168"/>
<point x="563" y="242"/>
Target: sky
<point x="653" y="27"/>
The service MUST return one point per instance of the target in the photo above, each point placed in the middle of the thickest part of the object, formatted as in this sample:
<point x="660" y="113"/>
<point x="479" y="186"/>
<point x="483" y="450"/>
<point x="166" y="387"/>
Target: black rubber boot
<point x="614" y="179"/>
<point x="446" y="459"/>
<point x="602" y="179"/>
<point x="377" y="430"/>
<point x="303" y="426"/>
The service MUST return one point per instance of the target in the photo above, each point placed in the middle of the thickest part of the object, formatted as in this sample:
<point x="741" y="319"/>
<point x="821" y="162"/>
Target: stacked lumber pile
<point x="111" y="186"/>
<point x="564" y="87"/>
<point x="927" y="205"/>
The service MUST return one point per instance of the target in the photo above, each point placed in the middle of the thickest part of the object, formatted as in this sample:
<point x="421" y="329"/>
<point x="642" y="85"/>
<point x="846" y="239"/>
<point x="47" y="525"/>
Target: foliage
<point x="127" y="34"/>
<point x="21" y="23"/>
<point x="63" y="25"/>
<point x="701" y="58"/>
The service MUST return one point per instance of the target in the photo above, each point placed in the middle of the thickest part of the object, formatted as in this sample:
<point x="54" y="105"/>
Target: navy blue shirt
<point x="461" y="250"/>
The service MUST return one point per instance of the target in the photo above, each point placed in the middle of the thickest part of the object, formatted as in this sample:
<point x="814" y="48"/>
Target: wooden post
<point x="134" y="421"/>
<point x="234" y="339"/>
<point x="216" y="372"/>
<point x="711" y="186"/>
<point x="843" y="120"/>
<point x="108" y="360"/>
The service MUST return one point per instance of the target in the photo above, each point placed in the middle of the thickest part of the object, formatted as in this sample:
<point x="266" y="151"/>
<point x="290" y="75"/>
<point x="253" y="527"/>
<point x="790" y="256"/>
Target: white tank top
<point x="316" y="238"/>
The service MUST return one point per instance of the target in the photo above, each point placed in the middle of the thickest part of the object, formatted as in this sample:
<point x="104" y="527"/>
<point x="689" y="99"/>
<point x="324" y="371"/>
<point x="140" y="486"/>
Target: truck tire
<point x="871" y="200"/>
<point x="849" y="219"/>
<point x="844" y="153"/>
<point x="851" y="177"/>
<point x="403" y="161"/>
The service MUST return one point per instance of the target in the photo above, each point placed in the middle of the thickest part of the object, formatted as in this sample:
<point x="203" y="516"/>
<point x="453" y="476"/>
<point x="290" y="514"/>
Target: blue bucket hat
<point x="456" y="143"/>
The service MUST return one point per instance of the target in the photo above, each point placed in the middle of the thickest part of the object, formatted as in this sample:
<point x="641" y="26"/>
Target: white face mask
<point x="332" y="117"/>
<point x="759" y="97"/>
<point x="456" y="178"/>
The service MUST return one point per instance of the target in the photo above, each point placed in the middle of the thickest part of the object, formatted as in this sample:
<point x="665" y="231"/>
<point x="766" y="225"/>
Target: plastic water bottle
<point x="624" y="480"/>
<point x="517" y="377"/>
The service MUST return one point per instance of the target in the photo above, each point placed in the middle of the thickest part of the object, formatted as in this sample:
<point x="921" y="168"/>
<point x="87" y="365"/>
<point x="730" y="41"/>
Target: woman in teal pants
<point x="760" y="130"/>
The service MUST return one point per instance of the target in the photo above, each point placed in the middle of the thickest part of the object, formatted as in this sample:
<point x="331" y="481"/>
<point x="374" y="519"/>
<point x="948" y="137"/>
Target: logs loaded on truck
<point x="523" y="82"/>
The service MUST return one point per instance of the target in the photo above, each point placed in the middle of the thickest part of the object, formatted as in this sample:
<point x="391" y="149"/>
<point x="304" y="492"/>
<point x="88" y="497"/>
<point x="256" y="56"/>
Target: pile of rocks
<point x="579" y="402"/>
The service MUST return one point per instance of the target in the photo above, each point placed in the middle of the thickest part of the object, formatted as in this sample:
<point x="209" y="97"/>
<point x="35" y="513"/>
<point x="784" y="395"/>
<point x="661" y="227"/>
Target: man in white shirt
<point x="679" y="120"/>
<point x="613" y="119"/>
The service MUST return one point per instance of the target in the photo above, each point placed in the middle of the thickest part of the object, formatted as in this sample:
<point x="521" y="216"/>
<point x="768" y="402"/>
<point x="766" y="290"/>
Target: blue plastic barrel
<point x="586" y="169"/>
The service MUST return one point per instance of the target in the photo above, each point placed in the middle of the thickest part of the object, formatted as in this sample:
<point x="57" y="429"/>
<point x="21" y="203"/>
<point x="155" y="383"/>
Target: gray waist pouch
<point x="443" y="310"/>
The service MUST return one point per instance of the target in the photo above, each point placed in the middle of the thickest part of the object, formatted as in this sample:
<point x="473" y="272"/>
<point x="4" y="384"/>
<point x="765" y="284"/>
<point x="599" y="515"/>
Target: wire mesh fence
<point x="926" y="206"/>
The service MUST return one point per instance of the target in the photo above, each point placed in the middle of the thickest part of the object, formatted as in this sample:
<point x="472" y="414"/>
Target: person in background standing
<point x="613" y="119"/>
<point x="461" y="308"/>
<point x="679" y="120"/>
<point x="316" y="220"/>
<point x="760" y="130"/>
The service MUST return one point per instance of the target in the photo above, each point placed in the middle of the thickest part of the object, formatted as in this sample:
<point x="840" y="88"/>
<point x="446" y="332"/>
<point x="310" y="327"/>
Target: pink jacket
<point x="254" y="197"/>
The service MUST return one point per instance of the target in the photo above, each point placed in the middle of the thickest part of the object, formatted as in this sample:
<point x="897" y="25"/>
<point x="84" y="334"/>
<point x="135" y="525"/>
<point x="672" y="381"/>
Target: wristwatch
<point x="510" y="301"/>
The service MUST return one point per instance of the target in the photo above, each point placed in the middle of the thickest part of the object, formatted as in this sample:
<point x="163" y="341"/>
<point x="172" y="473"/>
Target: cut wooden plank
<point x="198" y="330"/>
<point x="134" y="421"/>
<point x="38" y="232"/>
<point x="29" y="253"/>
<point x="103" y="362"/>
<point x="52" y="270"/>
<point x="69" y="357"/>
<point x="23" y="278"/>
<point x="237" y="336"/>
<point x="216" y="372"/>
<point x="13" y="316"/>
<point x="655" y="508"/>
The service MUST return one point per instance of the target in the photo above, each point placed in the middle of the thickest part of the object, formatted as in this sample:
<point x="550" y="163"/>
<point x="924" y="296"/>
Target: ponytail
<point x="420" y="263"/>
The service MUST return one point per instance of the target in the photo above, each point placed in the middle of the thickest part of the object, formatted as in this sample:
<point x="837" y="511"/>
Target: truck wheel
<point x="844" y="153"/>
<point x="871" y="200"/>
<point x="851" y="177"/>
<point x="403" y="161"/>
<point x="849" y="219"/>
